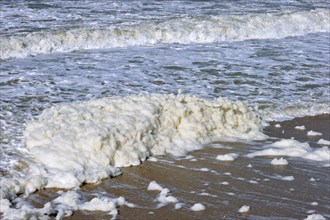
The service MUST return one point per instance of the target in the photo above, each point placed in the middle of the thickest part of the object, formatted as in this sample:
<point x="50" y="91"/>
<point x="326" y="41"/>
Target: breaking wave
<point x="178" y="30"/>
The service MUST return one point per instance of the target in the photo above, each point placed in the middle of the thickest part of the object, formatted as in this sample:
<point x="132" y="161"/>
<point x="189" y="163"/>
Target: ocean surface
<point x="89" y="87"/>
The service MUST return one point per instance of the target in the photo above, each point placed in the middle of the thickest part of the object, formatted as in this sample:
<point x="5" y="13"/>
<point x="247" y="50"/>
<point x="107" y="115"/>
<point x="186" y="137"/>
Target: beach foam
<point x="72" y="144"/>
<point x="153" y="185"/>
<point x="163" y="197"/>
<point x="244" y="208"/>
<point x="293" y="148"/>
<point x="85" y="142"/>
<point x="315" y="217"/>
<point x="314" y="133"/>
<point x="279" y="161"/>
<point x="64" y="206"/>
<point x="197" y="207"/>
<point x="302" y="127"/>
<point x="227" y="157"/>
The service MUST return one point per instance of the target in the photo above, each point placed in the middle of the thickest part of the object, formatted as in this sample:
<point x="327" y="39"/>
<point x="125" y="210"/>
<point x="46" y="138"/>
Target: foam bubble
<point x="313" y="133"/>
<point x="178" y="206"/>
<point x="155" y="186"/>
<point x="302" y="127"/>
<point x="227" y="157"/>
<point x="102" y="204"/>
<point x="197" y="207"/>
<point x="288" y="178"/>
<point x="163" y="197"/>
<point x="280" y="161"/>
<point x="315" y="217"/>
<point x="244" y="208"/>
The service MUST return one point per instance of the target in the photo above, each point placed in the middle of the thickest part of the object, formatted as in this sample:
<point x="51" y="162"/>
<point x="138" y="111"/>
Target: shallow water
<point x="273" y="56"/>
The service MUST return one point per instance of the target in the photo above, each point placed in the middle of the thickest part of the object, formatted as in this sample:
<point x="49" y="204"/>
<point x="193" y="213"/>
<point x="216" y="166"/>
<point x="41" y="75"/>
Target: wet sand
<point x="222" y="186"/>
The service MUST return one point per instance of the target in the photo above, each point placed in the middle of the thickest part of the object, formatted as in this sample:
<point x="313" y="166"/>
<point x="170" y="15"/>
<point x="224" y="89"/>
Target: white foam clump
<point x="313" y="133"/>
<point x="102" y="204"/>
<point x="180" y="30"/>
<point x="323" y="142"/>
<point x="315" y="217"/>
<point x="153" y="185"/>
<point x="163" y="196"/>
<point x="64" y="206"/>
<point x="197" y="207"/>
<point x="203" y="169"/>
<point x="244" y="208"/>
<point x="312" y="179"/>
<point x="302" y="127"/>
<point x="293" y="148"/>
<point x="152" y="159"/>
<point x="279" y="161"/>
<point x="84" y="141"/>
<point x="288" y="178"/>
<point x="227" y="157"/>
<point x="178" y="206"/>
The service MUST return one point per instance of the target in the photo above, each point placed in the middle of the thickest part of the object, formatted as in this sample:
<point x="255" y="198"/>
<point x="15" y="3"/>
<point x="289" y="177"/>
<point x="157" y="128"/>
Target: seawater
<point x="272" y="57"/>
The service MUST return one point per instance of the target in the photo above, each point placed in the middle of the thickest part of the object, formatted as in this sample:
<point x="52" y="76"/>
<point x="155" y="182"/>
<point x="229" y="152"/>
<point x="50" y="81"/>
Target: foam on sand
<point x="293" y="148"/>
<point x="244" y="208"/>
<point x="279" y="161"/>
<point x="163" y="197"/>
<point x="227" y="157"/>
<point x="64" y="205"/>
<point x="314" y="133"/>
<point x="153" y="185"/>
<point x="302" y="127"/>
<point x="77" y="143"/>
<point x="85" y="142"/>
<point x="315" y="217"/>
<point x="197" y="207"/>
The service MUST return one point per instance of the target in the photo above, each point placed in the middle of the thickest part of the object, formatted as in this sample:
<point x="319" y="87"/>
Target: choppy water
<point x="273" y="56"/>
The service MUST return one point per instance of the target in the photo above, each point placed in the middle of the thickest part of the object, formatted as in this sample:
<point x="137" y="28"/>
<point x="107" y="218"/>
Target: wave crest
<point x="178" y="30"/>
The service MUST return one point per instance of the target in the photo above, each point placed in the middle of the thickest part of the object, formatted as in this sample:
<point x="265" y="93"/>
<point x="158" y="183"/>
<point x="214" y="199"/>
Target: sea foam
<point x="293" y="148"/>
<point x="85" y="142"/>
<point x="88" y="139"/>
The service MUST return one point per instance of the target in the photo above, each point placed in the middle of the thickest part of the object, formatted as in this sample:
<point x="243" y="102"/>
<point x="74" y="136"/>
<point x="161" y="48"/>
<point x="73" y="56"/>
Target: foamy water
<point x="185" y="30"/>
<point x="88" y="89"/>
